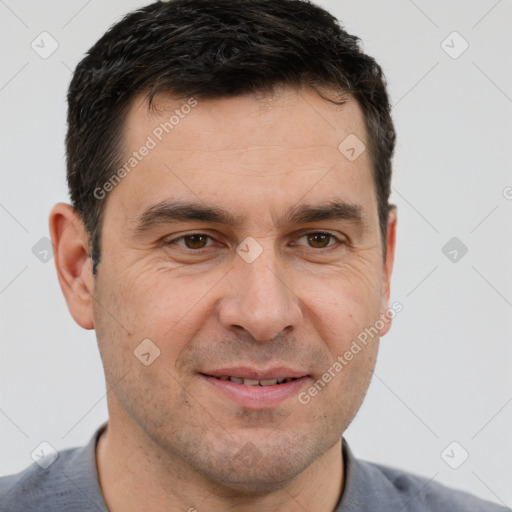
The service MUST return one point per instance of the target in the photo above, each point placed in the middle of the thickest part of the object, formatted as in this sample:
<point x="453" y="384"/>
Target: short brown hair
<point x="213" y="49"/>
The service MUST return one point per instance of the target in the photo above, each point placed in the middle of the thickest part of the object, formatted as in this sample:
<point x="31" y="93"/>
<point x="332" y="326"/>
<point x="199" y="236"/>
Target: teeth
<point x="254" y="382"/>
<point x="250" y="382"/>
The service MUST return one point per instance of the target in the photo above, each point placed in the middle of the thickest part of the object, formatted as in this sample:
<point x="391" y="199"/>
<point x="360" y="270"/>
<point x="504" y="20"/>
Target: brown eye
<point x="193" y="241"/>
<point x="320" y="240"/>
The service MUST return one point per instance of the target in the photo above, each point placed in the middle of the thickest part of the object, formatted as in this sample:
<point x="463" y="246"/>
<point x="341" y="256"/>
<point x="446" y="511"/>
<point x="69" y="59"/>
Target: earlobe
<point x="74" y="267"/>
<point x="388" y="267"/>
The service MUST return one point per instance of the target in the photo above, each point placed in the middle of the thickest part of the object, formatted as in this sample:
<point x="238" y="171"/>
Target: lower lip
<point x="257" y="397"/>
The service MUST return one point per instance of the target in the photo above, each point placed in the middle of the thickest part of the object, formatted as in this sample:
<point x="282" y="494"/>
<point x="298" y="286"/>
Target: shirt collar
<point x="364" y="487"/>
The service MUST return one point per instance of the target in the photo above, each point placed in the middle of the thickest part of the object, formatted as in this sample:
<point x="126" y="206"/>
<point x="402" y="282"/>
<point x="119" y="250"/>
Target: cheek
<point x="126" y="317"/>
<point x="344" y="302"/>
<point x="167" y="309"/>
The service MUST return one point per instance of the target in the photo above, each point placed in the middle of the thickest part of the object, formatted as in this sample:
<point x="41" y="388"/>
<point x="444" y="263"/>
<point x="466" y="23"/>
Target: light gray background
<point x="444" y="368"/>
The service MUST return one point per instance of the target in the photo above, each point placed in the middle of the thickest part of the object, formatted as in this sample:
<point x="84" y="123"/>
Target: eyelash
<point x="182" y="237"/>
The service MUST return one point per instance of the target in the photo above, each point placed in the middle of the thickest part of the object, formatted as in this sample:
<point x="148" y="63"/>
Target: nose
<point x="260" y="300"/>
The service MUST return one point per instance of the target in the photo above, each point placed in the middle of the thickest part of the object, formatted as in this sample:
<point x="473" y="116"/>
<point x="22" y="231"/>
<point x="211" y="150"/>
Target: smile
<point x="253" y="389"/>
<point x="254" y="382"/>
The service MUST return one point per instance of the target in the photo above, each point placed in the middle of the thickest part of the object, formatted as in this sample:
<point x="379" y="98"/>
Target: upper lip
<point x="246" y="372"/>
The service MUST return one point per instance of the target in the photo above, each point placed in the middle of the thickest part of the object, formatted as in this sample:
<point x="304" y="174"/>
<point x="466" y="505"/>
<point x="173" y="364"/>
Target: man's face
<point x="274" y="294"/>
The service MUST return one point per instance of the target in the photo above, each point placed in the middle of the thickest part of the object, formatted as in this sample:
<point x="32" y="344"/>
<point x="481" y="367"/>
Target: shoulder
<point x="35" y="486"/>
<point x="417" y="493"/>
<point x="370" y="486"/>
<point x="69" y="483"/>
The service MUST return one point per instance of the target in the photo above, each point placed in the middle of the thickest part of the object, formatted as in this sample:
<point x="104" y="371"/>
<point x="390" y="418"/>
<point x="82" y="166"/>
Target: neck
<point x="135" y="475"/>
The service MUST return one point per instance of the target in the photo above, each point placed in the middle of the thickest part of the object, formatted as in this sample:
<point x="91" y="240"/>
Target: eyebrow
<point x="170" y="211"/>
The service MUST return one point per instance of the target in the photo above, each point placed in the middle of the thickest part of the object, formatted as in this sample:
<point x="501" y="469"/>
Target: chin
<point x="239" y="480"/>
<point x="259" y="467"/>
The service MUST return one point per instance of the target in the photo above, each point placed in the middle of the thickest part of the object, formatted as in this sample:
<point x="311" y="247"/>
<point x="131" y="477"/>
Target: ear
<point x="388" y="268"/>
<point x="74" y="267"/>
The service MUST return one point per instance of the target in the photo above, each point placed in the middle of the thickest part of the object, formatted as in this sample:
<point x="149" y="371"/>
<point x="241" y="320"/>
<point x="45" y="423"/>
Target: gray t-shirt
<point x="70" y="484"/>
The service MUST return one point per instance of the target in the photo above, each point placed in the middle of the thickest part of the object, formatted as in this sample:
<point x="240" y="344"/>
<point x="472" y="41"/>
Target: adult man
<point x="230" y="239"/>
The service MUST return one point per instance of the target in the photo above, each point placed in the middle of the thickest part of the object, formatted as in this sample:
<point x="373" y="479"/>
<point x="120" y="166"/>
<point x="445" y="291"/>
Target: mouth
<point x="254" y="382"/>
<point x="254" y="389"/>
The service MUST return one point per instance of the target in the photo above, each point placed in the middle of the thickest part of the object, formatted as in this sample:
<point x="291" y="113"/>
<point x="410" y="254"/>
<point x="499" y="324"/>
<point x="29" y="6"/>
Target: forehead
<point x="286" y="118"/>
<point x="261" y="149"/>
